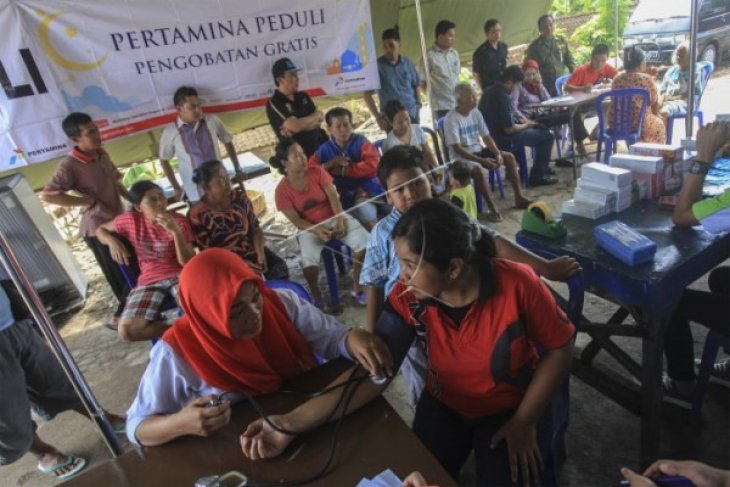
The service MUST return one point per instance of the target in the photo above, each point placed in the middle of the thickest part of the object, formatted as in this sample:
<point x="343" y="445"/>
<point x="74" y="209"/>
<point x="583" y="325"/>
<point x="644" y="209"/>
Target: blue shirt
<point x="398" y="82"/>
<point x="381" y="267"/>
<point x="6" y="313"/>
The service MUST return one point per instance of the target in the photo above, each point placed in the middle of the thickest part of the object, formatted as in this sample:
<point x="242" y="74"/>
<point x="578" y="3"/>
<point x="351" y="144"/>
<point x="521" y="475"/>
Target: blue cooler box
<point x="624" y="243"/>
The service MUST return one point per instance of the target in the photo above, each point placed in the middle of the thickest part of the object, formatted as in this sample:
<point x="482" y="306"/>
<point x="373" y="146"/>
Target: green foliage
<point x="568" y="7"/>
<point x="600" y="29"/>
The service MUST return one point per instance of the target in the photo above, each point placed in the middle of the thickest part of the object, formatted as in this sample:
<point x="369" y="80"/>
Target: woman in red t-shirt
<point x="162" y="241"/>
<point x="309" y="199"/>
<point x="480" y="320"/>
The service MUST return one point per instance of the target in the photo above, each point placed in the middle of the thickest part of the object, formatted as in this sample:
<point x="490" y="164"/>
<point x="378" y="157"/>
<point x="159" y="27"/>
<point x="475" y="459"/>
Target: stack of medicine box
<point x="601" y="190"/>
<point x="657" y="168"/>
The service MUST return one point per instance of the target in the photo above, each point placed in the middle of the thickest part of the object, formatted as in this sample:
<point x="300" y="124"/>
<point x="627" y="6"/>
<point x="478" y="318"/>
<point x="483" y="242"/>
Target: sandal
<point x="360" y="298"/>
<point x="65" y="470"/>
<point x="494" y="217"/>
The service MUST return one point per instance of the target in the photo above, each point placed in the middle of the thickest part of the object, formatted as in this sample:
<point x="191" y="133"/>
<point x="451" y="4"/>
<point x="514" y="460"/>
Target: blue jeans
<point x="542" y="140"/>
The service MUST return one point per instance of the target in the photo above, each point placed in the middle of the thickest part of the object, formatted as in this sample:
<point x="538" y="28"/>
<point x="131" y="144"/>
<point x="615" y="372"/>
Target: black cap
<point x="283" y="66"/>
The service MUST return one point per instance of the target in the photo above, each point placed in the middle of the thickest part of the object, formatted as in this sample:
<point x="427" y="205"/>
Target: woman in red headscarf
<point x="236" y="336"/>
<point x="530" y="93"/>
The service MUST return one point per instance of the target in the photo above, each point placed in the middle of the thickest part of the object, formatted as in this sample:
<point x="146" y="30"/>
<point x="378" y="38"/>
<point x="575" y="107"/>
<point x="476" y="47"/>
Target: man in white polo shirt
<point x="193" y="138"/>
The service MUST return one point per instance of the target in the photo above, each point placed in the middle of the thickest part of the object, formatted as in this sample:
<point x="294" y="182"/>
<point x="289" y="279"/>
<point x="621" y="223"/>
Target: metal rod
<point x="58" y="346"/>
<point x="689" y="121"/>
<point x="424" y="53"/>
<point x="615" y="28"/>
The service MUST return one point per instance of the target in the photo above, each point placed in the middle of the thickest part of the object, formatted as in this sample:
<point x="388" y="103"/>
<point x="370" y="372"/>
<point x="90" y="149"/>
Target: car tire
<point x="709" y="53"/>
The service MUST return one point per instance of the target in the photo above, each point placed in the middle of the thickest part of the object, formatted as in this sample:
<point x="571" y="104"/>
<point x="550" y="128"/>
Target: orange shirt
<point x="587" y="75"/>
<point x="483" y="365"/>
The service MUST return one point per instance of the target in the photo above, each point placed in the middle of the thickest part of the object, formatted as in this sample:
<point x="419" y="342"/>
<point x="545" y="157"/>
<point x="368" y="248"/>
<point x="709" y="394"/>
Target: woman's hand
<point x="118" y="251"/>
<point x="370" y="350"/>
<point x="524" y="454"/>
<point x="561" y="268"/>
<point x="340" y="228"/>
<point x="698" y="473"/>
<point x="321" y="233"/>
<point x="261" y="441"/>
<point x="201" y="419"/>
<point x="166" y="221"/>
<point x="415" y="479"/>
<point x="636" y="480"/>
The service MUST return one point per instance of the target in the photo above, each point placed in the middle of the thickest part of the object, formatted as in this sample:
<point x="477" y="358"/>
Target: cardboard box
<point x="600" y="174"/>
<point x="635" y="162"/>
<point x="585" y="210"/>
<point x="673" y="157"/>
<point x="670" y="153"/>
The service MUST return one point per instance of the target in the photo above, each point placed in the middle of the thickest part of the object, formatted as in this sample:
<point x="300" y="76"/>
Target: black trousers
<point x="451" y="438"/>
<point x="711" y="309"/>
<point x="111" y="271"/>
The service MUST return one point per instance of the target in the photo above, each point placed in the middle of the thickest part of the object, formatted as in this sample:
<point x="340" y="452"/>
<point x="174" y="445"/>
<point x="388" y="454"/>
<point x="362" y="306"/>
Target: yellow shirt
<point x="467" y="200"/>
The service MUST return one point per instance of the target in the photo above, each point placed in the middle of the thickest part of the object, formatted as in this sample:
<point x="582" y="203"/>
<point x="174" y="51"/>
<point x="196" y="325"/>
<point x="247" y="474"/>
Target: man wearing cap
<point x="291" y="112"/>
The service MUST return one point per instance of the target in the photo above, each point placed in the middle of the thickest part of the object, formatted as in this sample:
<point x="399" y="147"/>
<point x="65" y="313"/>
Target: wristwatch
<point x="699" y="167"/>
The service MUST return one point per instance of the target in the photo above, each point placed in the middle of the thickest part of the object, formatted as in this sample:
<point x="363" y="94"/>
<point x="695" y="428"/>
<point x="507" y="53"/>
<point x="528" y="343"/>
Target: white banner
<point x="120" y="61"/>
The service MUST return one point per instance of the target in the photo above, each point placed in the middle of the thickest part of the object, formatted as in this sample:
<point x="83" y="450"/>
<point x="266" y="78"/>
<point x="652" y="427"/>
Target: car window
<point x="713" y="7"/>
<point x="660" y="9"/>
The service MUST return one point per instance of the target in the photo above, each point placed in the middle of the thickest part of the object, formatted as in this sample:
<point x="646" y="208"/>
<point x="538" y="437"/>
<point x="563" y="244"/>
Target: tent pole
<point x="424" y="53"/>
<point x="58" y="346"/>
<point x="689" y="121"/>
<point x="615" y="28"/>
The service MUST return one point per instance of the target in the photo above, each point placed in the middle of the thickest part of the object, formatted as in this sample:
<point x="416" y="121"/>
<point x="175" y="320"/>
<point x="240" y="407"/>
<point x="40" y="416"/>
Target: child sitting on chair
<point x="353" y="163"/>
<point x="462" y="191"/>
<point x="406" y="133"/>
<point x="162" y="241"/>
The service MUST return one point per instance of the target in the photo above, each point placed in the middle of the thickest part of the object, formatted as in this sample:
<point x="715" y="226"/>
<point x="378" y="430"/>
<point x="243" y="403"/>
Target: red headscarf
<point x="533" y="86"/>
<point x="209" y="284"/>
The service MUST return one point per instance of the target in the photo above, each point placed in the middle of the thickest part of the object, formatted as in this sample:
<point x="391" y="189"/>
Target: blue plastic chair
<point x="563" y="136"/>
<point x="712" y="345"/>
<point x="436" y="144"/>
<point x="560" y="84"/>
<point x="378" y="144"/>
<point x="335" y="251"/>
<point x="621" y="129"/>
<point x="295" y="287"/>
<point x="706" y="70"/>
<point x="130" y="273"/>
<point x="560" y="405"/>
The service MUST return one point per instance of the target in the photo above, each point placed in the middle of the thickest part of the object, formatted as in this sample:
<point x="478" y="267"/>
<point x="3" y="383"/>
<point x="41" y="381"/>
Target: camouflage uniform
<point x="553" y="56"/>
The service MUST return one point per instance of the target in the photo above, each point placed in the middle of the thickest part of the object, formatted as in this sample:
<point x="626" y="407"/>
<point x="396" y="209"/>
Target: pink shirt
<point x="154" y="246"/>
<point x="312" y="204"/>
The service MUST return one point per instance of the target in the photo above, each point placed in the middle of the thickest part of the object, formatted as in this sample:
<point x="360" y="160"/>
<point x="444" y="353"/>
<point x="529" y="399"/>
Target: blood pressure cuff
<point x="396" y="334"/>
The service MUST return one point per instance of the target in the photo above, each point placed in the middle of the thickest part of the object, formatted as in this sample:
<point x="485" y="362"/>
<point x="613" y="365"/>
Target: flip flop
<point x="523" y="205"/>
<point x="73" y="463"/>
<point x="494" y="217"/>
<point x="360" y="298"/>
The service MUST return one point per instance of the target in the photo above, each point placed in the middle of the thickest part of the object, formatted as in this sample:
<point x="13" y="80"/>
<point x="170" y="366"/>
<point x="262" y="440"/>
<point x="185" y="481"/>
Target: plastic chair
<point x="130" y="273"/>
<point x="706" y="70"/>
<point x="562" y="137"/>
<point x="560" y="405"/>
<point x="560" y="84"/>
<point x="621" y="129"/>
<point x="295" y="287"/>
<point x="378" y="144"/>
<point x="709" y="355"/>
<point x="435" y="143"/>
<point x="333" y="252"/>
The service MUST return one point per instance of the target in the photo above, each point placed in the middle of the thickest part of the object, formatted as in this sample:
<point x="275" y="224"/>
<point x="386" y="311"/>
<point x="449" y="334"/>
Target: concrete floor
<point x="601" y="438"/>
